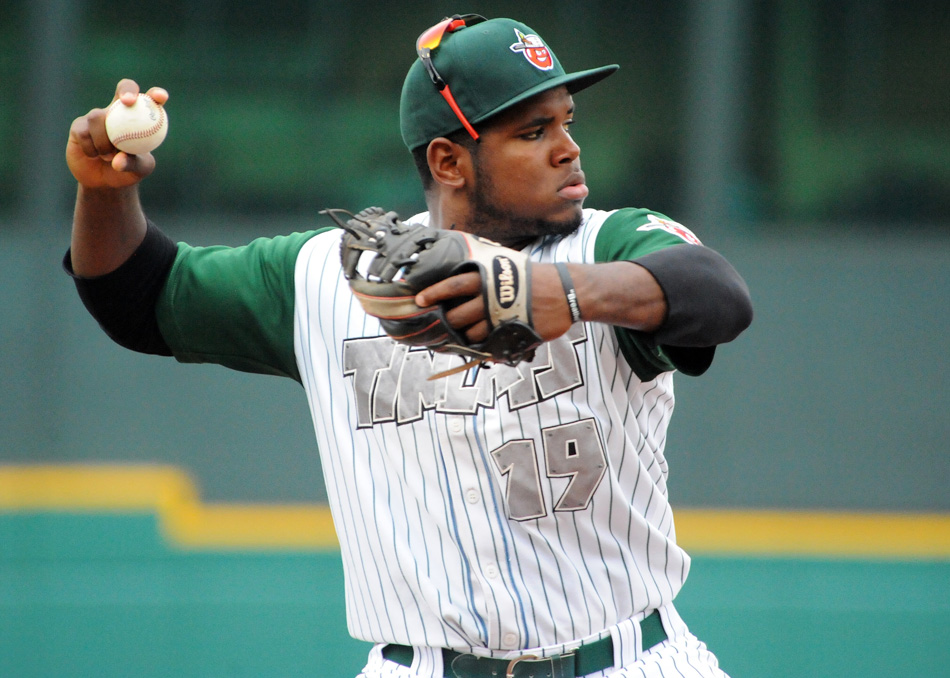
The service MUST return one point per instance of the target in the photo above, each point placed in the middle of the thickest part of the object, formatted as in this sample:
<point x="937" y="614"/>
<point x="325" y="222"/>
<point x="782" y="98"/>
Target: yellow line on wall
<point x="814" y="533"/>
<point x="169" y="493"/>
<point x="187" y="522"/>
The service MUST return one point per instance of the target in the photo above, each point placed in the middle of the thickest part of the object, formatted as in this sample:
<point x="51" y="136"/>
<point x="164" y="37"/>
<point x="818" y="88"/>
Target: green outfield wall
<point x="105" y="595"/>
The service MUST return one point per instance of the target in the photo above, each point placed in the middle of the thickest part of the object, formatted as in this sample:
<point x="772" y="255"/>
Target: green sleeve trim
<point x="620" y="240"/>
<point x="234" y="306"/>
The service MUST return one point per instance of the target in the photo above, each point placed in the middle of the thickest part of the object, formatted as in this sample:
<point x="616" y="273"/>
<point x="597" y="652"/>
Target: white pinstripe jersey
<point x="501" y="508"/>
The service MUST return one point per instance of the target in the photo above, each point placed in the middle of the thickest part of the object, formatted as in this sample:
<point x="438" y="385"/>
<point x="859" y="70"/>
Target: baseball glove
<point x="404" y="259"/>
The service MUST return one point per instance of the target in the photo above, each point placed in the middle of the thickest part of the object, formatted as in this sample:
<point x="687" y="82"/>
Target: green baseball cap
<point x="489" y="66"/>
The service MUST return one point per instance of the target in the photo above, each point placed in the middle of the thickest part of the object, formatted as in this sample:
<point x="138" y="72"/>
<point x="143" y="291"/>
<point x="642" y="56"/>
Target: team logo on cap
<point x="534" y="50"/>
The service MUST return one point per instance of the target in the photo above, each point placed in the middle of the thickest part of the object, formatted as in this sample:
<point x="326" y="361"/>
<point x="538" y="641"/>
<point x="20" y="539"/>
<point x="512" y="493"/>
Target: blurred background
<point x="157" y="519"/>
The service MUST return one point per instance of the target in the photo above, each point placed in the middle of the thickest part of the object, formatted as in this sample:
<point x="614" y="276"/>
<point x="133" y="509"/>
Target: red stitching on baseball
<point x="141" y="134"/>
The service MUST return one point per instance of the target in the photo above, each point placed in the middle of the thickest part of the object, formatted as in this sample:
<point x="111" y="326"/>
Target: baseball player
<point x="509" y="519"/>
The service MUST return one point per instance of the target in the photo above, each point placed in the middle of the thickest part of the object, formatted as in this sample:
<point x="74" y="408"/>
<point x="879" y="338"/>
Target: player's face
<point x="528" y="178"/>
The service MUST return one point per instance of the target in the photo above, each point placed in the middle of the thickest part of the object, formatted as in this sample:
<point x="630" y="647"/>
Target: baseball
<point x="139" y="128"/>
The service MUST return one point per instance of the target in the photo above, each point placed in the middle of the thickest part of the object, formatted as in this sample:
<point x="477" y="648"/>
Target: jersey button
<point x="510" y="639"/>
<point x="491" y="571"/>
<point x="456" y="425"/>
<point x="472" y="496"/>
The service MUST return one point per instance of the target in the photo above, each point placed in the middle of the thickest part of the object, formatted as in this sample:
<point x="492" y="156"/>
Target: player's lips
<point x="574" y="188"/>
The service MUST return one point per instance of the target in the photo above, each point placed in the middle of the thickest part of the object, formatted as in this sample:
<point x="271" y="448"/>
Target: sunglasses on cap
<point x="428" y="42"/>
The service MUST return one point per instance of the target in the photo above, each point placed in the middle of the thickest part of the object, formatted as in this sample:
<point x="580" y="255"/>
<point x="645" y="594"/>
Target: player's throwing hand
<point x="92" y="158"/>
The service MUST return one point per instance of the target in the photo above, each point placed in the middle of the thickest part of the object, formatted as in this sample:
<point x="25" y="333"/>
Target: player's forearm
<point x="686" y="295"/>
<point x="620" y="293"/>
<point x="108" y="226"/>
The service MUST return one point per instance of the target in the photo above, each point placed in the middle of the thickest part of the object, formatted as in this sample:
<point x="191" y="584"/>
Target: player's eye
<point x="533" y="134"/>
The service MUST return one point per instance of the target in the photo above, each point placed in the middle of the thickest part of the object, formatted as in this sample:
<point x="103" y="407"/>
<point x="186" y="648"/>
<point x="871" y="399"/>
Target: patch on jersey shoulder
<point x="654" y="222"/>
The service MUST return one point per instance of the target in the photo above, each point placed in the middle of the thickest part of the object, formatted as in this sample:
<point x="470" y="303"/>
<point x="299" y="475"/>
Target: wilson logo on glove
<point x="506" y="281"/>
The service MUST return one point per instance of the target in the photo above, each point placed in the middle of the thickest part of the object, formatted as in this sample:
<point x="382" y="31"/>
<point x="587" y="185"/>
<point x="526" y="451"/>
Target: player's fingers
<point x="80" y="136"/>
<point x="464" y="285"/>
<point x="467" y="313"/>
<point x="96" y="119"/>
<point x="89" y="134"/>
<point x="140" y="165"/>
<point x="127" y="90"/>
<point x="477" y="332"/>
<point x="158" y="94"/>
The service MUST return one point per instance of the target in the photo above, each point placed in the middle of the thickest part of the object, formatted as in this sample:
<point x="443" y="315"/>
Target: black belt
<point x="586" y="659"/>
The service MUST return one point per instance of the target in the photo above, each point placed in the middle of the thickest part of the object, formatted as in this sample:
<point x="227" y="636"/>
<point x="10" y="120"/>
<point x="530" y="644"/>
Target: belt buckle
<point x="562" y="665"/>
<point x="510" y="671"/>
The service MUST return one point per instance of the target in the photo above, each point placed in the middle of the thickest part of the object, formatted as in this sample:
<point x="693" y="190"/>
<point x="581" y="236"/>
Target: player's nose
<point x="565" y="150"/>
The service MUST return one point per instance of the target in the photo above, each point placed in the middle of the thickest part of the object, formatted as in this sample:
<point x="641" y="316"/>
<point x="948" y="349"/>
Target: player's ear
<point x="449" y="163"/>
